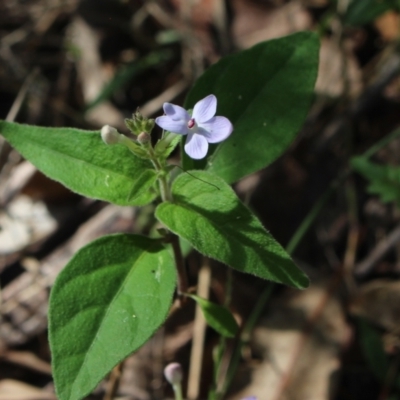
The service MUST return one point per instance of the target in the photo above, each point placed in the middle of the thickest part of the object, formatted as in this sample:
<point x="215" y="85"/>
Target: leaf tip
<point x="303" y="282"/>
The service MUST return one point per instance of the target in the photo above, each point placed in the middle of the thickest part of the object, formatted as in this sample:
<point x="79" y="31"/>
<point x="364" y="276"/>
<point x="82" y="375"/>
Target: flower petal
<point x="176" y="112"/>
<point x="169" y="124"/>
<point x="205" y="109"/>
<point x="196" y="146"/>
<point x="216" y="129"/>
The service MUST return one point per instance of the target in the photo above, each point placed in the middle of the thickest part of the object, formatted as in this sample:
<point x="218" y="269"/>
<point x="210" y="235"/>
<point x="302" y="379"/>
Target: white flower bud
<point x="110" y="135"/>
<point x="173" y="373"/>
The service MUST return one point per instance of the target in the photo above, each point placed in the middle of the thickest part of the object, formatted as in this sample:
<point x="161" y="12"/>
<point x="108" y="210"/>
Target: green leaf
<point x="105" y="304"/>
<point x="372" y="347"/>
<point x="384" y="180"/>
<point x="167" y="144"/>
<point x="207" y="213"/>
<point x="143" y="184"/>
<point x="218" y="317"/>
<point x="365" y="11"/>
<point x="266" y="92"/>
<point x="80" y="160"/>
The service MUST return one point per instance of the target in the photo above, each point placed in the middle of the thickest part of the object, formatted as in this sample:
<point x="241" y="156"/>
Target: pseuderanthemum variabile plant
<point x="124" y="285"/>
<point x="201" y="128"/>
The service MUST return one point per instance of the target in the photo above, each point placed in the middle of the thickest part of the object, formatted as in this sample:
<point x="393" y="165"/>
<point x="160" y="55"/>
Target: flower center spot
<point x="191" y="123"/>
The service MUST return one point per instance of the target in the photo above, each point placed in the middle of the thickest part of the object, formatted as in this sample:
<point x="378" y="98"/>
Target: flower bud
<point x="173" y="373"/>
<point x="143" y="138"/>
<point x="138" y="123"/>
<point x="110" y="135"/>
<point x="148" y="124"/>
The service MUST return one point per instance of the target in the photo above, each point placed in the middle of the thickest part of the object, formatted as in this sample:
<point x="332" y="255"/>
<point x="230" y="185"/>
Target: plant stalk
<point x="178" y="391"/>
<point x="180" y="265"/>
<point x="166" y="195"/>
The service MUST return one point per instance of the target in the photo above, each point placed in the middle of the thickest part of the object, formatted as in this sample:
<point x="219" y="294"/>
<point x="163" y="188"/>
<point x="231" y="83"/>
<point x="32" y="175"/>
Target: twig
<point x="342" y="6"/>
<point x="192" y="55"/>
<point x="352" y="238"/>
<point x="220" y="20"/>
<point x="365" y="266"/>
<point x="225" y="352"/>
<point x="12" y="114"/>
<point x="158" y="363"/>
<point x="199" y="329"/>
<point x="155" y="104"/>
<point x="313" y="214"/>
<point x="21" y="95"/>
<point x="382" y="143"/>
<point x="113" y="382"/>
<point x="244" y="336"/>
<point x="340" y="34"/>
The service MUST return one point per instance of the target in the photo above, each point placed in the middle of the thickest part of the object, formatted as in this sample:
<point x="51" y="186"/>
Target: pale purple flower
<point x="201" y="127"/>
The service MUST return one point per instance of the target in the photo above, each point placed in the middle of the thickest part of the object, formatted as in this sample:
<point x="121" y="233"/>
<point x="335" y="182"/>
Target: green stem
<point x="178" y="391"/>
<point x="382" y="143"/>
<point x="160" y="166"/>
<point x="220" y="350"/>
<point x="180" y="265"/>
<point x="218" y="377"/>
<point x="312" y="215"/>
<point x="165" y="191"/>
<point x="166" y="195"/>
<point x="245" y="336"/>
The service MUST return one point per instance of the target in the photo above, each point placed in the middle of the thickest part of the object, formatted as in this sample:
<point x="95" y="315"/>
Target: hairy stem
<point x="166" y="195"/>
<point x="180" y="265"/>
